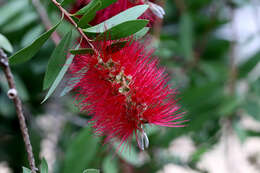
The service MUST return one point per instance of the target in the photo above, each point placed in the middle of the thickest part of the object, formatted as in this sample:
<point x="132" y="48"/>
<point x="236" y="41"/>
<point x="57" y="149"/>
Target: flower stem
<point x="75" y="24"/>
<point x="13" y="95"/>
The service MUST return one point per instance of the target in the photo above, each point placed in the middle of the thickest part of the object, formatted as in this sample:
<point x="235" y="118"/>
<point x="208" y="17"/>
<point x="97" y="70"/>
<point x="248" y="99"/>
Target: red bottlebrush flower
<point x="119" y="6"/>
<point x="124" y="89"/>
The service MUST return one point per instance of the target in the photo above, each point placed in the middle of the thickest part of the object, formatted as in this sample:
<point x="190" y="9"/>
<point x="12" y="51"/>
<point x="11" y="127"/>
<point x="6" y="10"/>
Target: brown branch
<point x="45" y="20"/>
<point x="75" y="24"/>
<point x="232" y="63"/>
<point x="180" y="4"/>
<point x="231" y="85"/>
<point x="13" y="95"/>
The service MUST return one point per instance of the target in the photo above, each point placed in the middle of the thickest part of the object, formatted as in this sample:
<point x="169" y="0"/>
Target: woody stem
<point x="75" y="24"/>
<point x="13" y="95"/>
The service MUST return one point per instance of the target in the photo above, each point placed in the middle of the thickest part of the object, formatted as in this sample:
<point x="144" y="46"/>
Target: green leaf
<point x="141" y="33"/>
<point x="229" y="105"/>
<point x="11" y="10"/>
<point x="28" y="52"/>
<point x="91" y="171"/>
<point x="89" y="14"/>
<point x="248" y="65"/>
<point x="110" y="165"/>
<point x="93" y="5"/>
<point x="186" y="36"/>
<point x="57" y="61"/>
<point x="26" y="170"/>
<point x="60" y="76"/>
<point x="71" y="83"/>
<point x="82" y="51"/>
<point x="123" y="30"/>
<point x="20" y="22"/>
<point x="106" y="3"/>
<point x="5" y="44"/>
<point x="44" y="166"/>
<point x="81" y="151"/>
<point x="31" y="35"/>
<point x="67" y="2"/>
<point x="103" y="4"/>
<point x="127" y="15"/>
<point x="116" y="46"/>
<point x="240" y="131"/>
<point x="252" y="107"/>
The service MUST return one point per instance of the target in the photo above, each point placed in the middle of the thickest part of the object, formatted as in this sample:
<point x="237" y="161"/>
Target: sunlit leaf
<point x="123" y="30"/>
<point x="26" y="170"/>
<point x="141" y="33"/>
<point x="44" y="166"/>
<point x="127" y="15"/>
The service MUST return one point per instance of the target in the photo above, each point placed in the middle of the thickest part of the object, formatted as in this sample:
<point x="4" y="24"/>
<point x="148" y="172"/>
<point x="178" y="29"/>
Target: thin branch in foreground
<point x="75" y="25"/>
<point x="13" y="95"/>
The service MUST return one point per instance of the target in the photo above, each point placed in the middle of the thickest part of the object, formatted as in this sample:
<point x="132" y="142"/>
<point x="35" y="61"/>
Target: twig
<point x="181" y="5"/>
<point x="227" y="122"/>
<point x="75" y="24"/>
<point x="13" y="95"/>
<point x="45" y="20"/>
<point x="232" y="63"/>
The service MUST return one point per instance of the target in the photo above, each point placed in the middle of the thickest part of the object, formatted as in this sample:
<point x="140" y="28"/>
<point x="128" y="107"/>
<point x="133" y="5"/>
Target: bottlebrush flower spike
<point x="124" y="89"/>
<point x="121" y="5"/>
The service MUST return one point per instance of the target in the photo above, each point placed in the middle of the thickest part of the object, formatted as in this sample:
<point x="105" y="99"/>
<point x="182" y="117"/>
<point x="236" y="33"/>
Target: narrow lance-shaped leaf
<point x="5" y="44"/>
<point x="141" y="33"/>
<point x="246" y="67"/>
<point x="44" y="166"/>
<point x="123" y="30"/>
<point x="90" y="13"/>
<point x="57" y="61"/>
<point x="26" y="170"/>
<point x="127" y="15"/>
<point x="88" y="7"/>
<point x="28" y="52"/>
<point x="106" y="3"/>
<point x="60" y="76"/>
<point x="91" y="171"/>
<point x="82" y="51"/>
